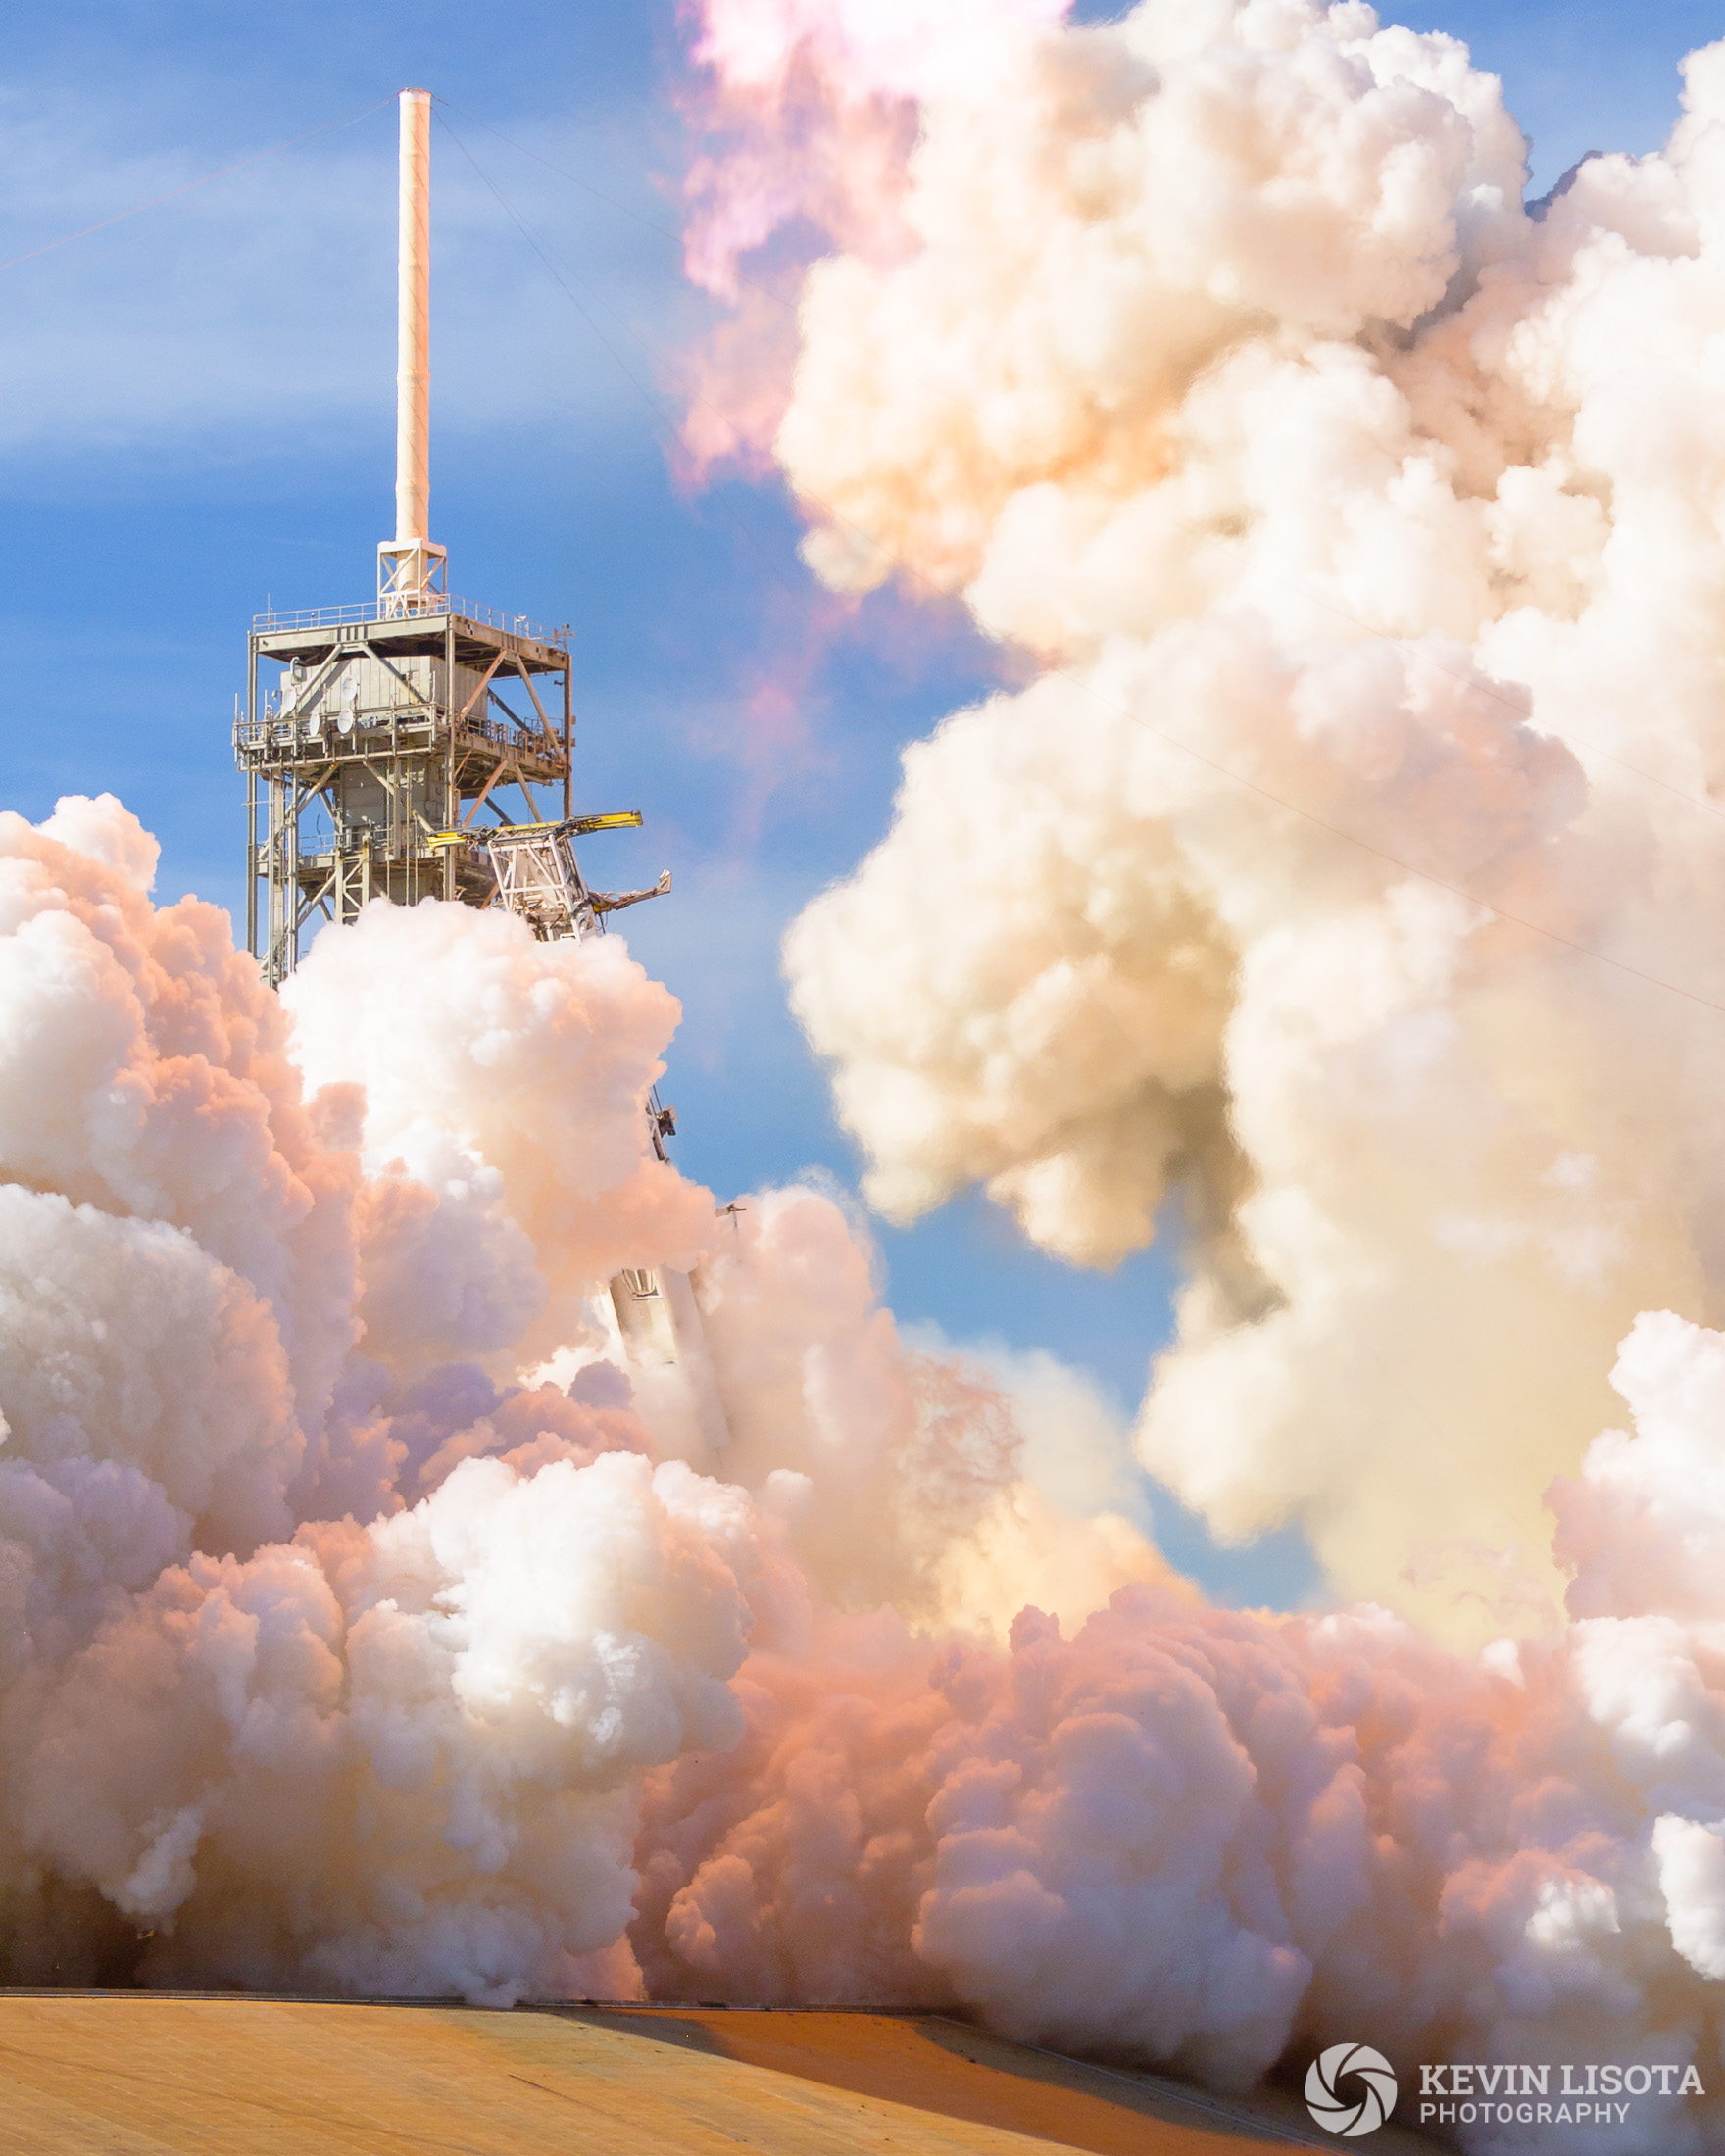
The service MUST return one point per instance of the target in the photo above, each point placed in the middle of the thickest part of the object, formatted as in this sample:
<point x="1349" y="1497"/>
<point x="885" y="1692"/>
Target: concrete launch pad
<point x="162" y="2075"/>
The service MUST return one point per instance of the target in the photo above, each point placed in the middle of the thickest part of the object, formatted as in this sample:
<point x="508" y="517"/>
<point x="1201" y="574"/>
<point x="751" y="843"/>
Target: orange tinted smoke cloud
<point x="332" y="1662"/>
<point x="338" y="1635"/>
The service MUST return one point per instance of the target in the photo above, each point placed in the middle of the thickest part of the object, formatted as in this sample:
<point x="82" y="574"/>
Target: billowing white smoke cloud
<point x="389" y="1750"/>
<point x="336" y="1645"/>
<point x="433" y="1679"/>
<point x="1367" y="526"/>
<point x="506" y="1080"/>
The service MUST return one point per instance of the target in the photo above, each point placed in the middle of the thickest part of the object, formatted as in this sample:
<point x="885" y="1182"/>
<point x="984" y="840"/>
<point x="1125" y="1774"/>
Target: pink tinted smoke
<point x="807" y="110"/>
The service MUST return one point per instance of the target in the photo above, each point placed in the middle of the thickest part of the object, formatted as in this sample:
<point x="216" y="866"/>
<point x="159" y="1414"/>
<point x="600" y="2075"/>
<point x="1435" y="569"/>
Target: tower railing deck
<point x="273" y="732"/>
<point x="374" y="609"/>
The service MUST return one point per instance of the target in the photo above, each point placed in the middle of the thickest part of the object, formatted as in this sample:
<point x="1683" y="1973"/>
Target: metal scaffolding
<point x="540" y="877"/>
<point x="373" y="736"/>
<point x="371" y="741"/>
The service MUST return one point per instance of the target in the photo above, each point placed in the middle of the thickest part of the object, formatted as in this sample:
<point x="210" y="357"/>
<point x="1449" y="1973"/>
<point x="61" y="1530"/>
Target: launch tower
<point x="374" y="736"/>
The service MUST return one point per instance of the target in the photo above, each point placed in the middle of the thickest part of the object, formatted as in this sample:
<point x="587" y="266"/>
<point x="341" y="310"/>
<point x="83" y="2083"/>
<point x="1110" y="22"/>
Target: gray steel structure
<point x="369" y="754"/>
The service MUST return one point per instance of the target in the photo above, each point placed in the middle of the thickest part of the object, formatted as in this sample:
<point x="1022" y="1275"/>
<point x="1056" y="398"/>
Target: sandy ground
<point x="141" y="2074"/>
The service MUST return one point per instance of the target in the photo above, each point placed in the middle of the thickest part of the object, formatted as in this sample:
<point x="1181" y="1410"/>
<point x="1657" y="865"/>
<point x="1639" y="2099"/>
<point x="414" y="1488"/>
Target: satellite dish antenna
<point x="350" y="699"/>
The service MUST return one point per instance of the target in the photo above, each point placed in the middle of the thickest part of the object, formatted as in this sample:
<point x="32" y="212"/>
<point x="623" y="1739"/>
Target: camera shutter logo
<point x="1350" y="2115"/>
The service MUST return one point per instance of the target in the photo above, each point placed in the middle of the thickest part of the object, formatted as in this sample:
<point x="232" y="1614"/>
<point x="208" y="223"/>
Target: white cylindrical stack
<point x="412" y="364"/>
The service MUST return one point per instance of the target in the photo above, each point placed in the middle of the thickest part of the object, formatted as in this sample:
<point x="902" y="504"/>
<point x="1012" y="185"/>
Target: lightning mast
<point x="411" y="569"/>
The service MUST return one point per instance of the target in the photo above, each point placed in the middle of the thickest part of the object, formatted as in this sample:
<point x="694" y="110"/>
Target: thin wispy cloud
<point x="263" y="302"/>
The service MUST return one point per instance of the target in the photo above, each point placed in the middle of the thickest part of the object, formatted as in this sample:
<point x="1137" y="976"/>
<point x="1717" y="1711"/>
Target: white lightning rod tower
<point x="411" y="569"/>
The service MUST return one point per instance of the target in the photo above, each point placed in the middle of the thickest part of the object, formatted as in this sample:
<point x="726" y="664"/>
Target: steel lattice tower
<point x="373" y="736"/>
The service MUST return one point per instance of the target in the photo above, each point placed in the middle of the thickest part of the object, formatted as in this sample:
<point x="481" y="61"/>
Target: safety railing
<point x="363" y="738"/>
<point x="374" y="609"/>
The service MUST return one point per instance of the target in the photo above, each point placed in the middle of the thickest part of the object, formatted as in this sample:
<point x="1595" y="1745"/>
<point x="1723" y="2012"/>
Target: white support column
<point x="412" y="377"/>
<point x="410" y="568"/>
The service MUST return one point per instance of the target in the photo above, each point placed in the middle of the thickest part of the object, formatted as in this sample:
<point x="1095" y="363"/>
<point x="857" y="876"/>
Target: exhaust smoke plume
<point x="337" y="1640"/>
<point x="1370" y="526"/>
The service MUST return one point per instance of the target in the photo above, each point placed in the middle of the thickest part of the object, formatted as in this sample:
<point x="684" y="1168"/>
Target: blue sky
<point x="196" y="414"/>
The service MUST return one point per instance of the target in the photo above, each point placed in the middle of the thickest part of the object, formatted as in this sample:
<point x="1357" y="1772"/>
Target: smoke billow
<point x="1365" y="522"/>
<point x="331" y="1665"/>
<point x="374" y="1623"/>
<point x="339" y="1637"/>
